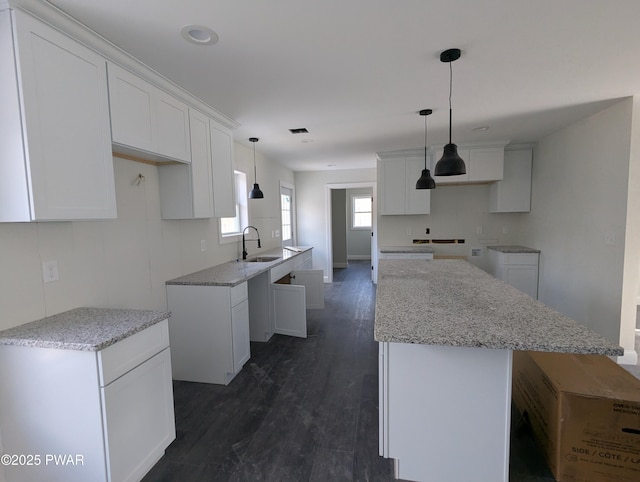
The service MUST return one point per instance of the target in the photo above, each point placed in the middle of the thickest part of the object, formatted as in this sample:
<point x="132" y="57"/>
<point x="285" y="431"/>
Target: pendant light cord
<point x="425" y="141"/>
<point x="254" y="163"/>
<point x="450" y="89"/>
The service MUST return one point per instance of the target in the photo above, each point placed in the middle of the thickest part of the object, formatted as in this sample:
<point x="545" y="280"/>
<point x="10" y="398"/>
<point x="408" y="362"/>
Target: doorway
<point x="340" y="221"/>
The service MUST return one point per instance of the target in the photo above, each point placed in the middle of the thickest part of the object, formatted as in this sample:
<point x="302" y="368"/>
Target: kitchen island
<point x="447" y="331"/>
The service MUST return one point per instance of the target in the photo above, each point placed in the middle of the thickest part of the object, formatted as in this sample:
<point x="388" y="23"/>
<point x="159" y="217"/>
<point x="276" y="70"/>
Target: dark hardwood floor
<point x="303" y="409"/>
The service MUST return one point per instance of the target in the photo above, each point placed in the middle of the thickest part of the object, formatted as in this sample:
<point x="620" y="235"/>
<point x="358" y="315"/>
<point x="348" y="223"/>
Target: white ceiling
<point x="355" y="73"/>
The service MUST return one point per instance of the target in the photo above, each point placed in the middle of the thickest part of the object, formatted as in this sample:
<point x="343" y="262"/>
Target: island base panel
<point x="446" y="411"/>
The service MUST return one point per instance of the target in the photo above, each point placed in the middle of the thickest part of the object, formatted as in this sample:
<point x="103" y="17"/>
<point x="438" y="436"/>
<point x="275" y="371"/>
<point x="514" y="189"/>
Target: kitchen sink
<point x="262" y="259"/>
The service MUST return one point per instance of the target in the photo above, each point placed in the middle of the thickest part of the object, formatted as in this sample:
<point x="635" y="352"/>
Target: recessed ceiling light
<point x="481" y="128"/>
<point x="199" y="35"/>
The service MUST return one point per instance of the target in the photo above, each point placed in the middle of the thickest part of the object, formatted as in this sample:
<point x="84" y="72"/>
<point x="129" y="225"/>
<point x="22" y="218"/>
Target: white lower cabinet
<point x="280" y="298"/>
<point x="519" y="270"/>
<point x="444" y="411"/>
<point x="99" y="416"/>
<point x="209" y="330"/>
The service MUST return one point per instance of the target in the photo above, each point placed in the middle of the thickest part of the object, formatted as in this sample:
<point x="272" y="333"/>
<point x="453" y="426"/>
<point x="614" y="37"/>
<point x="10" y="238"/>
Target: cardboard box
<point x="585" y="414"/>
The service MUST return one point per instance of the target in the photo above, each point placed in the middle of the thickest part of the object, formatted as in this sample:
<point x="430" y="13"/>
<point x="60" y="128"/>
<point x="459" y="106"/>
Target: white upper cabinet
<point x="513" y="193"/>
<point x="484" y="164"/>
<point x="224" y="197"/>
<point x="55" y="149"/>
<point x="145" y="120"/>
<point x="397" y="177"/>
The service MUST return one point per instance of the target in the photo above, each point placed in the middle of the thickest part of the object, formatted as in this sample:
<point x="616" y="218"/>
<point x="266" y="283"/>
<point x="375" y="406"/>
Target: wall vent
<point x="299" y="130"/>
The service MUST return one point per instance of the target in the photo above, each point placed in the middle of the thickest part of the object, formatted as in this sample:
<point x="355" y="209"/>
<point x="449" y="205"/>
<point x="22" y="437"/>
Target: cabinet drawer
<point x="279" y="271"/>
<point x="119" y="358"/>
<point x="521" y="258"/>
<point x="238" y="293"/>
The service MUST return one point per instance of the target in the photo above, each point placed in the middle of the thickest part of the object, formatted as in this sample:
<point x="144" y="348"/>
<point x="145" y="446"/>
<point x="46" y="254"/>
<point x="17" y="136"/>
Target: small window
<point x="232" y="226"/>
<point x="361" y="212"/>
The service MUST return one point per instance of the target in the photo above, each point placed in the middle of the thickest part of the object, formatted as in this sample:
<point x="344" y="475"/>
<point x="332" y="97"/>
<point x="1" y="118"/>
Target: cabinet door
<point x="392" y="178"/>
<point x="513" y="193"/>
<point x="65" y="124"/>
<point x="486" y="164"/>
<point x="313" y="282"/>
<point x="418" y="201"/>
<point x="289" y="310"/>
<point x="138" y="417"/>
<point x="240" y="335"/>
<point x="171" y="127"/>
<point x="201" y="168"/>
<point x="131" y="104"/>
<point x="224" y="197"/>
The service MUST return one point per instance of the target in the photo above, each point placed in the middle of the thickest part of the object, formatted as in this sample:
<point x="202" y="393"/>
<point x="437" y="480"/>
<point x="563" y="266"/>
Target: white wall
<point x="456" y="213"/>
<point x="579" y="195"/>
<point x="358" y="240"/>
<point x="312" y="202"/>
<point x="124" y="262"/>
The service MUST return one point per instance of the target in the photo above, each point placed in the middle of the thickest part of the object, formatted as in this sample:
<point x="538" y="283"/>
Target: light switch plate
<point x="50" y="271"/>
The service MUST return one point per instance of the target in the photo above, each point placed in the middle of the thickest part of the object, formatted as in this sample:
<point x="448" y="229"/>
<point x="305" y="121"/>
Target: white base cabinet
<point x="444" y="412"/>
<point x="55" y="140"/>
<point x="106" y="415"/>
<point x="519" y="270"/>
<point x="209" y="331"/>
<point x="281" y="297"/>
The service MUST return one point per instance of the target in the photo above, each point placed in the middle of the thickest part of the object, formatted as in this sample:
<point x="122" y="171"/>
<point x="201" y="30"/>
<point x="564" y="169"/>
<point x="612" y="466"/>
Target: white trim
<point x="630" y="357"/>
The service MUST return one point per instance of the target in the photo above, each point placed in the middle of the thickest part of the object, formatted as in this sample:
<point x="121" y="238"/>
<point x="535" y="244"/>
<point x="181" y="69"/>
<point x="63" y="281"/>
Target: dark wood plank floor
<point x="302" y="409"/>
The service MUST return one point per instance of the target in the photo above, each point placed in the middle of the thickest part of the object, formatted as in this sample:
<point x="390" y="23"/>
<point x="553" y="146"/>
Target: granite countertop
<point x="453" y="303"/>
<point x="416" y="248"/>
<point x="233" y="273"/>
<point x="84" y="329"/>
<point x="513" y="249"/>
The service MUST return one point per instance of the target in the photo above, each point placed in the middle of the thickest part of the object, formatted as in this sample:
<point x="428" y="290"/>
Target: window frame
<point x="242" y="209"/>
<point x="369" y="197"/>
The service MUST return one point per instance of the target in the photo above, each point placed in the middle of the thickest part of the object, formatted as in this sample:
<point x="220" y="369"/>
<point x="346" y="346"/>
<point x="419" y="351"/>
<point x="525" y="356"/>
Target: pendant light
<point x="255" y="193"/>
<point x="450" y="164"/>
<point x="425" y="181"/>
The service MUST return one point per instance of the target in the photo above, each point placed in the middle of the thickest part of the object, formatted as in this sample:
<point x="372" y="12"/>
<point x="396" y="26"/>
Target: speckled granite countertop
<point x="85" y="329"/>
<point x="233" y="273"/>
<point x="513" y="249"/>
<point x="416" y="248"/>
<point x="453" y="303"/>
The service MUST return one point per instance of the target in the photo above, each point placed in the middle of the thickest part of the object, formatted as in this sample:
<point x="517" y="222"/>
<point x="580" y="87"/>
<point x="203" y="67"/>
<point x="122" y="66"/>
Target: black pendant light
<point x="255" y="193"/>
<point x="425" y="181"/>
<point x="450" y="164"/>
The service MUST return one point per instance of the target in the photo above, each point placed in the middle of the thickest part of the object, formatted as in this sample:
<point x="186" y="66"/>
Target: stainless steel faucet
<point x="244" y="247"/>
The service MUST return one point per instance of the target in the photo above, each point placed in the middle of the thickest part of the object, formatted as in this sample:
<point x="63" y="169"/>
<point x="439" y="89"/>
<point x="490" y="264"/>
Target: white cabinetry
<point x="55" y="149"/>
<point x="145" y="120"/>
<point x="425" y="426"/>
<point x="513" y="193"/>
<point x="112" y="408"/>
<point x="519" y="270"/>
<point x="205" y="187"/>
<point x="397" y="177"/>
<point x="484" y="164"/>
<point x="209" y="332"/>
<point x="281" y="296"/>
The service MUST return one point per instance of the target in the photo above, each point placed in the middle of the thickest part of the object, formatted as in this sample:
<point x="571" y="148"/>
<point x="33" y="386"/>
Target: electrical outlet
<point x="203" y="245"/>
<point x="505" y="230"/>
<point x="50" y="271"/>
<point x="277" y="233"/>
<point x="409" y="232"/>
<point x="479" y="231"/>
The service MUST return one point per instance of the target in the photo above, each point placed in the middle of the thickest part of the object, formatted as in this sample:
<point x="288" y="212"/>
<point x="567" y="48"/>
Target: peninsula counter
<point x="447" y="331"/>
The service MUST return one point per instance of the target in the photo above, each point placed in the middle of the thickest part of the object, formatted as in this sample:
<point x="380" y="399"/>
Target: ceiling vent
<point x="300" y="130"/>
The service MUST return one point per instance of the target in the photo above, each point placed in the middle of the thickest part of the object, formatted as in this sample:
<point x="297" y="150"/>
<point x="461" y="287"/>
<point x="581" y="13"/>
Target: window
<point x="361" y="212"/>
<point x="232" y="226"/>
<point x="286" y="212"/>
